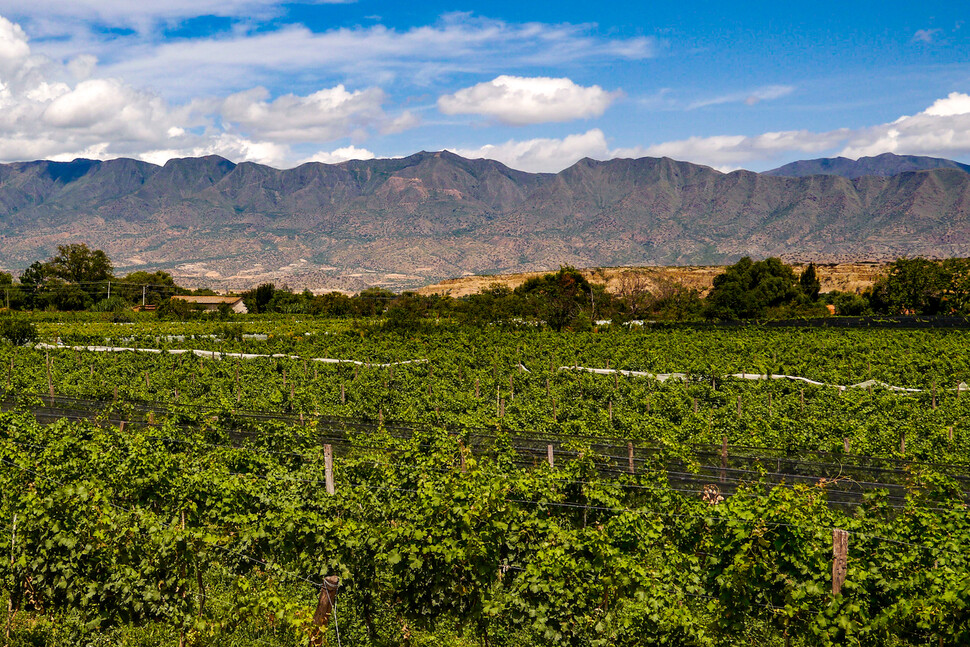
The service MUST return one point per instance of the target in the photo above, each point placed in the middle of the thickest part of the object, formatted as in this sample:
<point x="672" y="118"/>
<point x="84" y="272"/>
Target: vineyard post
<point x="511" y="388"/>
<point x="840" y="555"/>
<point x="328" y="467"/>
<point x="477" y="384"/>
<point x="547" y="387"/>
<point x="629" y="449"/>
<point x="13" y="542"/>
<point x="328" y="595"/>
<point x="616" y="379"/>
<point x="343" y="394"/>
<point x="121" y="427"/>
<point x="501" y="407"/>
<point x="115" y="394"/>
<point x="50" y="383"/>
<point x="934" y="395"/>
<point x="695" y="404"/>
<point x="724" y="458"/>
<point x="845" y="445"/>
<point x="739" y="406"/>
<point x="902" y="443"/>
<point x="950" y="433"/>
<point x="550" y="456"/>
<point x="10" y="374"/>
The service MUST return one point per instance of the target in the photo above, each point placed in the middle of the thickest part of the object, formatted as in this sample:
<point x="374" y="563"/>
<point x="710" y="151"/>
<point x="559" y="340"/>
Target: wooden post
<point x="429" y="389"/>
<point x="343" y="394"/>
<point x="325" y="604"/>
<point x="550" y="457"/>
<point x="461" y="456"/>
<point x="547" y="387"/>
<point x="840" y="556"/>
<point x="769" y="404"/>
<point x="629" y="449"/>
<point x="501" y="407"/>
<point x="950" y="433"/>
<point x="328" y="467"/>
<point x="151" y="417"/>
<point x="695" y="404"/>
<point x="511" y="389"/>
<point x="739" y="406"/>
<point x="845" y="445"/>
<point x="476" y="389"/>
<point x="724" y="458"/>
<point x="616" y="379"/>
<point x="121" y="427"/>
<point x="148" y="385"/>
<point x="902" y="443"/>
<point x="50" y="382"/>
<point x="934" y="395"/>
<point x="647" y="401"/>
<point x="292" y="392"/>
<point x="116" y="394"/>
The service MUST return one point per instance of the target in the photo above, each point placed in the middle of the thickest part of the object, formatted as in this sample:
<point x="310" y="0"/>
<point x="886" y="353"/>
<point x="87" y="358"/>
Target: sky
<point x="536" y="85"/>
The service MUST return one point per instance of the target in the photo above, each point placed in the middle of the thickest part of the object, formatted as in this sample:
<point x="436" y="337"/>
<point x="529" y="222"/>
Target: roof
<point x="209" y="300"/>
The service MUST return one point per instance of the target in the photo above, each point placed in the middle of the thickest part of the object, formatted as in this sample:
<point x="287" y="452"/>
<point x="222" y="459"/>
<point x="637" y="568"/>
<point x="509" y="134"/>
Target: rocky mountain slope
<point x="412" y="221"/>
<point x="885" y="165"/>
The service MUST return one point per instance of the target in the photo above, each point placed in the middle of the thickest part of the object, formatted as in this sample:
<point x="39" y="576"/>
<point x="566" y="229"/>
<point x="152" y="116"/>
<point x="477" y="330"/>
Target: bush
<point x="18" y="330"/>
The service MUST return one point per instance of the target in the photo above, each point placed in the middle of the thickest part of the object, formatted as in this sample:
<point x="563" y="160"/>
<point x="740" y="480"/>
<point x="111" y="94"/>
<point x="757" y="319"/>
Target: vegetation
<point x="208" y="528"/>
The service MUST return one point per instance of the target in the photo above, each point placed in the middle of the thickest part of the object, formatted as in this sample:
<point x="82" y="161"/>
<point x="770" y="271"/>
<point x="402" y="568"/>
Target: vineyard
<point x="483" y="485"/>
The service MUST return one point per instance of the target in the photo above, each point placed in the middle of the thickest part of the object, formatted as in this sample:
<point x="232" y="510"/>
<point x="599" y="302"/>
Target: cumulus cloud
<point x="62" y="111"/>
<point x="941" y="129"/>
<point x="322" y="116"/>
<point x="543" y="155"/>
<point x="519" y="101"/>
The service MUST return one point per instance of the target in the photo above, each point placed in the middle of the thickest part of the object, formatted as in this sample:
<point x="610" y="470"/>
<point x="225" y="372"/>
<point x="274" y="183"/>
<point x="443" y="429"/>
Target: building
<point x="211" y="304"/>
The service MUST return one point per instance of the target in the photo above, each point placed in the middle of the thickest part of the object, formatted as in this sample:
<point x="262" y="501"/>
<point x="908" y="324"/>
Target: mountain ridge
<point x="411" y="221"/>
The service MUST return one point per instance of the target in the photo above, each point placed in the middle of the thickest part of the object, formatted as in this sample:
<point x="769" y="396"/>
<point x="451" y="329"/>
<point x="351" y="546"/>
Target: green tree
<point x="79" y="264"/>
<point x="558" y="298"/>
<point x="809" y="283"/>
<point x="749" y="290"/>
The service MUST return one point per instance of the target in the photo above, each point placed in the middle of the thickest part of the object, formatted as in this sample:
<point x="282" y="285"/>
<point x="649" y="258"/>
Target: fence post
<point x="550" y="456"/>
<point x="934" y="395"/>
<point x="902" y="443"/>
<point x="724" y="458"/>
<point x="840" y="555"/>
<point x="845" y="445"/>
<point x="501" y="407"/>
<point x="629" y="448"/>
<point x="739" y="406"/>
<point x="328" y="467"/>
<point x="950" y="433"/>
<point x="343" y="394"/>
<point x="328" y="596"/>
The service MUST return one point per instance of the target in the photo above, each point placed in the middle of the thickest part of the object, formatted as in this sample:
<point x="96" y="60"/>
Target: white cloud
<point x="143" y="15"/>
<point x="520" y="100"/>
<point x="341" y="155"/>
<point x="325" y="115"/>
<point x="956" y="103"/>
<point x="49" y="110"/>
<point x="458" y="43"/>
<point x="925" y="35"/>
<point x="543" y="155"/>
<point x="750" y="98"/>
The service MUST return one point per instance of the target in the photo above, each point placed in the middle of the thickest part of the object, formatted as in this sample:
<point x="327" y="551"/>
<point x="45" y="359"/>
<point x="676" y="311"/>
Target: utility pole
<point x="143" y="295"/>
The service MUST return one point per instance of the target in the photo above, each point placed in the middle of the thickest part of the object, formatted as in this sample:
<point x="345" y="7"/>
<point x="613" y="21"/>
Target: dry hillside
<point x="846" y="277"/>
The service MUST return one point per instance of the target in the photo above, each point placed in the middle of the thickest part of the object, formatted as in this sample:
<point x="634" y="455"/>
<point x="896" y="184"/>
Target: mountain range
<point x="415" y="220"/>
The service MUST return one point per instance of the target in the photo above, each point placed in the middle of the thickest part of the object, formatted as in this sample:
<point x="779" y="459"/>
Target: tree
<point x="748" y="289"/>
<point x="809" y="283"/>
<point x="557" y="298"/>
<point x="911" y="286"/>
<point x="79" y="264"/>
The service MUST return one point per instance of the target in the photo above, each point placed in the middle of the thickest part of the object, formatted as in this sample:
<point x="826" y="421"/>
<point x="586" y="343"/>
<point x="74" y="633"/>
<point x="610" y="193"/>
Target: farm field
<point x="487" y="488"/>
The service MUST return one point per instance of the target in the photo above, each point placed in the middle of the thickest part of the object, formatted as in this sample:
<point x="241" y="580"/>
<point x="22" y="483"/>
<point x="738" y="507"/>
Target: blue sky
<point x="535" y="85"/>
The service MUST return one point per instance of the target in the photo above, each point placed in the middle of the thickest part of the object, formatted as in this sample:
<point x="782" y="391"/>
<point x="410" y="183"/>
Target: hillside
<point x="845" y="277"/>
<point x="885" y="165"/>
<point x="413" y="221"/>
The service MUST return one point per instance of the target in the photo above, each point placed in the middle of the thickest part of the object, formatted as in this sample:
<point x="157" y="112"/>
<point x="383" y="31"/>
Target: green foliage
<point x="17" y="330"/>
<point x="750" y="290"/>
